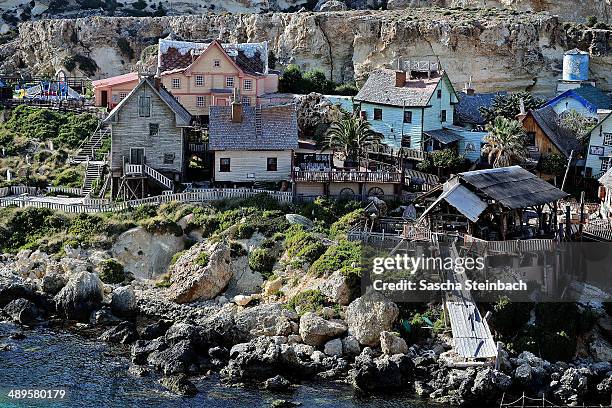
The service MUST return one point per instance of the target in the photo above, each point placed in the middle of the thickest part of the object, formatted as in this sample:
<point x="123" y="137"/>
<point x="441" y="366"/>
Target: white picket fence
<point x="96" y="206"/>
<point x="17" y="190"/>
<point x="65" y="190"/>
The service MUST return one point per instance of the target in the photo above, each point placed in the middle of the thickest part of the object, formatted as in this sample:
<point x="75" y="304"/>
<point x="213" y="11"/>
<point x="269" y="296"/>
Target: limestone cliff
<point x="498" y="49"/>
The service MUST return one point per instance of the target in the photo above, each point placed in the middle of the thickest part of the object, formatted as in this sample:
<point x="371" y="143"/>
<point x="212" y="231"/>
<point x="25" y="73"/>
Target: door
<point x="137" y="156"/>
<point x="222" y="102"/>
<point x="104" y="98"/>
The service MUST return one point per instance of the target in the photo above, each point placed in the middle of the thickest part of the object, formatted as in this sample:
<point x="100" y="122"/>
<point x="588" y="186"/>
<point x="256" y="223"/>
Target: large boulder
<point x="22" y="311"/>
<point x="13" y="287"/>
<point x="391" y="343"/>
<point x="370" y="315"/>
<point x="82" y="294"/>
<point x="146" y="255"/>
<point x="201" y="273"/>
<point x="244" y="281"/>
<point x="123" y="301"/>
<point x="315" y="330"/>
<point x="336" y="288"/>
<point x="269" y="319"/>
<point x="489" y="383"/>
<point x="52" y="283"/>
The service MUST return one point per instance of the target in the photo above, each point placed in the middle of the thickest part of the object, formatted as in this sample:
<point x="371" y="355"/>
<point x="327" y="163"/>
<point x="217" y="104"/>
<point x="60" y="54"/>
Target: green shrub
<point x="307" y="301"/>
<point x="345" y="222"/>
<point x="236" y="249"/>
<point x="111" y="271"/>
<point x="161" y="225"/>
<point x="344" y="256"/>
<point x="176" y="257"/>
<point x="69" y="177"/>
<point x="346" y="90"/>
<point x="202" y="259"/>
<point x="164" y="281"/>
<point x="85" y="64"/>
<point x="508" y="316"/>
<point x="262" y="261"/>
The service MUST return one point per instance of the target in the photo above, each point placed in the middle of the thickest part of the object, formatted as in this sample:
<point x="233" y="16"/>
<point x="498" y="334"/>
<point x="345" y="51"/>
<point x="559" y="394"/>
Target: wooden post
<point x="569" y="162"/>
<point x="568" y="225"/>
<point x="581" y="213"/>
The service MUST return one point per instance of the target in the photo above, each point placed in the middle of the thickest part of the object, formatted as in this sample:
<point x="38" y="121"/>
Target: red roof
<point x="116" y="80"/>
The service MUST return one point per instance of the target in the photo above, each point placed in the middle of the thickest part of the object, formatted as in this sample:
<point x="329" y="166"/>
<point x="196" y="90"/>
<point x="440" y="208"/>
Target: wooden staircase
<point x="88" y="149"/>
<point x="160" y="178"/>
<point x="93" y="172"/>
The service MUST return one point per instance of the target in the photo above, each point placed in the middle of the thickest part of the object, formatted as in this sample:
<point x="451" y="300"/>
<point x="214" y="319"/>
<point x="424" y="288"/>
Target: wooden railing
<point x="511" y="246"/>
<point x="96" y="206"/>
<point x="17" y="190"/>
<point x="65" y="190"/>
<point x="415" y="154"/>
<point x="133" y="169"/>
<point x="156" y="175"/>
<point x="348" y="176"/>
<point x="197" y="147"/>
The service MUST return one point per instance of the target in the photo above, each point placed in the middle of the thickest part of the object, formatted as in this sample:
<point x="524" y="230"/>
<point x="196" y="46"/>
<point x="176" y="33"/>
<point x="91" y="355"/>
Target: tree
<point x="554" y="164"/>
<point x="508" y="106"/>
<point x="351" y="135"/>
<point x="505" y="143"/>
<point x="578" y="123"/>
<point x="315" y="81"/>
<point x="292" y="80"/>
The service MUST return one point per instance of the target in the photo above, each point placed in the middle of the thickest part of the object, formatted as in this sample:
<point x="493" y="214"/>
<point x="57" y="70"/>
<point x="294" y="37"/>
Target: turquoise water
<point x="95" y="375"/>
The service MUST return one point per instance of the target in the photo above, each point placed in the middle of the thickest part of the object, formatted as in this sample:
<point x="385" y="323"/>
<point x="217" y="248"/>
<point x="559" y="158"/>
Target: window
<point x="530" y="138"/>
<point x="377" y="114"/>
<point x="224" y="165"/>
<point x="153" y="129"/>
<point x="229" y="82"/>
<point x="216" y="63"/>
<point x="272" y="164"/>
<point x="246" y="101"/>
<point x="122" y="95"/>
<point x="607" y="139"/>
<point x="407" y="116"/>
<point x="439" y="94"/>
<point x="443" y="115"/>
<point x="248" y="84"/>
<point x="406" y="141"/>
<point x="144" y="106"/>
<point x="176" y="83"/>
<point x="168" y="158"/>
<point x="605" y="164"/>
<point x="200" y="101"/>
<point x="199" y="80"/>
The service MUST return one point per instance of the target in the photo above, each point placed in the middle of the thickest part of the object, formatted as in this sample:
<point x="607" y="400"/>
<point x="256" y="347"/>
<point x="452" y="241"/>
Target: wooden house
<point x="252" y="145"/>
<point x="109" y="92"/>
<point x="148" y="136"/>
<point x="586" y="99"/>
<point x="467" y="111"/>
<point x="599" y="152"/>
<point x="403" y="104"/>
<point x="496" y="204"/>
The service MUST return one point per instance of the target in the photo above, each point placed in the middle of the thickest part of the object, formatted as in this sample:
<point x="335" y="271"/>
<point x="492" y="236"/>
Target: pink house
<point x="110" y="91"/>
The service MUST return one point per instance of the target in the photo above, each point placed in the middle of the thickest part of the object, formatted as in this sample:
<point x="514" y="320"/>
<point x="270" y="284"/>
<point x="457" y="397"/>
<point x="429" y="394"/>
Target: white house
<point x="252" y="144"/>
<point x="402" y="105"/>
<point x="586" y="99"/>
<point x="599" y="154"/>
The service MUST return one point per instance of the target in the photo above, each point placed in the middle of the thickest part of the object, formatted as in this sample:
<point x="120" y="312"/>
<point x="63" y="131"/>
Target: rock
<point x="242" y="300"/>
<point x="82" y="294"/>
<point x="350" y="346"/>
<point x="53" y="283"/>
<point x="297" y="219"/>
<point x="155" y="330"/>
<point x="139" y="371"/>
<point x="391" y="343"/>
<point x="5" y="347"/>
<point x="599" y="347"/>
<point x="272" y="287"/>
<point x="383" y="373"/>
<point x="244" y="281"/>
<point x="22" y="311"/>
<point x="572" y="385"/>
<point x="201" y="273"/>
<point x="315" y="330"/>
<point x="142" y="348"/>
<point x="17" y="336"/>
<point x="123" y="301"/>
<point x="174" y="359"/>
<point x="333" y="348"/>
<point x="144" y="254"/>
<point x="269" y="319"/>
<point x="523" y="374"/>
<point x="179" y="384"/>
<point x="13" y="287"/>
<point x="370" y="315"/>
<point x="123" y="333"/>
<point x="103" y="317"/>
<point x="605" y="386"/>
<point x="336" y="289"/>
<point x="489" y="383"/>
<point x="422" y="389"/>
<point x="218" y="353"/>
<point x="332" y="5"/>
<point x="277" y="383"/>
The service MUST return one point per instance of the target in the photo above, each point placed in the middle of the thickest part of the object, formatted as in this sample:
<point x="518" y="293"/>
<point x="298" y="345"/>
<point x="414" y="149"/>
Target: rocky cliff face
<point x="498" y="49"/>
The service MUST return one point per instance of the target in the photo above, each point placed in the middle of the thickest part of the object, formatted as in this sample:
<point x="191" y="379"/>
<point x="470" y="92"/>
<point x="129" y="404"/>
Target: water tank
<point x="576" y="65"/>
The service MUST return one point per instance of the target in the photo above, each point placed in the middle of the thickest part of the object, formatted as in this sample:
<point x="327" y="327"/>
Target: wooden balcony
<point x="348" y="176"/>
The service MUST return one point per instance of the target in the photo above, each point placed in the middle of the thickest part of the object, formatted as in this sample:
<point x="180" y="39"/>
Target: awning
<point x="444" y="136"/>
<point x="462" y="199"/>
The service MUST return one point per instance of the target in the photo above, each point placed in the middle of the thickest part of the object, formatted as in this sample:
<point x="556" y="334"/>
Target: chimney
<point x="469" y="89"/>
<point x="522" y="106"/>
<point x="236" y="108"/>
<point x="400" y="78"/>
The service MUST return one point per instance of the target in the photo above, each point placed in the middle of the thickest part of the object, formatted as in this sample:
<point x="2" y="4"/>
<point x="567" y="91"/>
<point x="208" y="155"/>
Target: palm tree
<point x="351" y="135"/>
<point x="505" y="143"/>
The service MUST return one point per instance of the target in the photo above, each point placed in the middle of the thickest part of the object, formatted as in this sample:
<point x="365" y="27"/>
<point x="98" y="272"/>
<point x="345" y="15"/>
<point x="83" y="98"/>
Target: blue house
<point x="402" y="105"/>
<point x="599" y="154"/>
<point x="586" y="99"/>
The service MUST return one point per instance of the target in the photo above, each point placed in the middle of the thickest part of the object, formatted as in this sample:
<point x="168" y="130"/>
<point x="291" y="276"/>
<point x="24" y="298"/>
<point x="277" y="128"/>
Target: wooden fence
<point x="17" y="190"/>
<point x="65" y="190"/>
<point x="96" y="206"/>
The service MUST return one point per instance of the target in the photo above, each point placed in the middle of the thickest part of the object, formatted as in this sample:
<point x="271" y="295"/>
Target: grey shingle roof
<point x="513" y="187"/>
<point x="380" y="88"/>
<point x="564" y="139"/>
<point x="444" y="136"/>
<point x="278" y="130"/>
<point x="594" y="96"/>
<point x="468" y="108"/>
